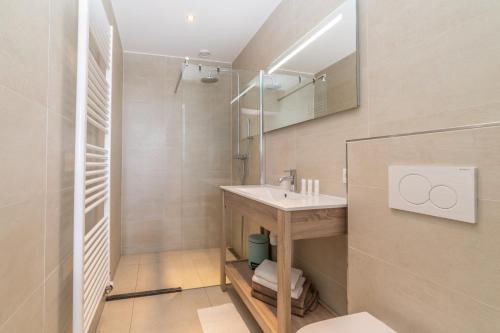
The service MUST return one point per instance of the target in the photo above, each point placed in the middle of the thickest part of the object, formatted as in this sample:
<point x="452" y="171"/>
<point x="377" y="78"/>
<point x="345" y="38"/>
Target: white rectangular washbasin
<point x="285" y="200"/>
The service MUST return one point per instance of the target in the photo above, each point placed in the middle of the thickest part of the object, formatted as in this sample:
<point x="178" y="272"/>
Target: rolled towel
<point x="268" y="271"/>
<point x="295" y="293"/>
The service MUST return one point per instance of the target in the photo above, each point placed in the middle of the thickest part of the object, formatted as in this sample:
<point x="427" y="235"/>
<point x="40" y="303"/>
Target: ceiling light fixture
<point x="306" y="43"/>
<point x="190" y="18"/>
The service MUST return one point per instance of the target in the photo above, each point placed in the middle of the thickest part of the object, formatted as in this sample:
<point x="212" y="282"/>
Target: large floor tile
<point x="169" y="312"/>
<point x="168" y="275"/>
<point x="218" y="297"/>
<point x="125" y="279"/>
<point x="116" y="317"/>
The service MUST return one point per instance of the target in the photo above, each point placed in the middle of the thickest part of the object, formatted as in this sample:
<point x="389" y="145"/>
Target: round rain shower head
<point x="204" y="53"/>
<point x="209" y="79"/>
<point x="211" y="76"/>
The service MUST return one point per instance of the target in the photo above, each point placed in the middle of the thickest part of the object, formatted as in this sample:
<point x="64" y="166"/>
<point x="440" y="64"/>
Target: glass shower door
<point x="206" y="153"/>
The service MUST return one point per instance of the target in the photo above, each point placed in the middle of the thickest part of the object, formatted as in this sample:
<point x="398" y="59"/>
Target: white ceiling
<point x="160" y="26"/>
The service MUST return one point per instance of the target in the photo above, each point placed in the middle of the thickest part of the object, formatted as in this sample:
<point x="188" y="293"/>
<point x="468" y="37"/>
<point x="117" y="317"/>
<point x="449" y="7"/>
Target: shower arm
<point x="186" y="63"/>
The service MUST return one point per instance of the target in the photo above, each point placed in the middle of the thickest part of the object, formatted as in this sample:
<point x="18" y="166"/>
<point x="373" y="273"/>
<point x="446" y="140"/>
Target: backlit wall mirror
<point x="318" y="75"/>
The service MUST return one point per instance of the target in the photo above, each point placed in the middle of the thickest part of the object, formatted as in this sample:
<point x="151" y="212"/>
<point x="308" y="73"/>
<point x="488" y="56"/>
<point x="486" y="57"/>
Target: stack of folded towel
<point x="265" y="288"/>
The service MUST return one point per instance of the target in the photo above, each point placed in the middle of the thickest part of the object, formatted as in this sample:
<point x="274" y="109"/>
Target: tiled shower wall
<point x="423" y="66"/>
<point x="177" y="150"/>
<point x="37" y="129"/>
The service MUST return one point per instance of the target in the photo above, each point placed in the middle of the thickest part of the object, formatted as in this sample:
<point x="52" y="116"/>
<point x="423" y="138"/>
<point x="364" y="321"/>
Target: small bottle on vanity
<point x="316" y="187"/>
<point x="303" y="186"/>
<point x="309" y="186"/>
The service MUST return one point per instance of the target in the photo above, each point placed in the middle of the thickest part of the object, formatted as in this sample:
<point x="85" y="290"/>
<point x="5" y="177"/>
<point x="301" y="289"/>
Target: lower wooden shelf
<point x="240" y="276"/>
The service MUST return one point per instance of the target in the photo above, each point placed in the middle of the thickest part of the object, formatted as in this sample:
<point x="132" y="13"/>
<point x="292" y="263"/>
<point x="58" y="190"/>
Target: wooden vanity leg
<point x="223" y="247"/>
<point x="284" y="269"/>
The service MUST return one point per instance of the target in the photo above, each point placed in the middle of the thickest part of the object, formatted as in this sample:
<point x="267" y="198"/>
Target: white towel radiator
<point x="91" y="251"/>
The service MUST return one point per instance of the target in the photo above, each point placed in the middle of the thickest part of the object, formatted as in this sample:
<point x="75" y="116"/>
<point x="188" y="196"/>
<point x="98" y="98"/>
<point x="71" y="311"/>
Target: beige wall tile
<point x="28" y="317"/>
<point x="60" y="152"/>
<point x="143" y="124"/>
<point x="58" y="228"/>
<point x="141" y="236"/>
<point x="447" y="74"/>
<point x="327" y="255"/>
<point x="453" y="254"/>
<point x="22" y="141"/>
<point x="24" y="56"/>
<point x="58" y="298"/>
<point x="62" y="57"/>
<point x="143" y="65"/>
<point x="21" y="253"/>
<point x="325" y="279"/>
<point x="410" y="303"/>
<point x="321" y="155"/>
<point x="116" y="317"/>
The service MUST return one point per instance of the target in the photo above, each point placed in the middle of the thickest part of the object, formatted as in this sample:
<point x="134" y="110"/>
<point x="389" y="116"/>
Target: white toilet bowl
<point x="362" y="322"/>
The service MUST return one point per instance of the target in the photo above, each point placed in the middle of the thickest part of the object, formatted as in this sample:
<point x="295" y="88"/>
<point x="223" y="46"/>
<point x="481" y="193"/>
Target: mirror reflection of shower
<point x="240" y="156"/>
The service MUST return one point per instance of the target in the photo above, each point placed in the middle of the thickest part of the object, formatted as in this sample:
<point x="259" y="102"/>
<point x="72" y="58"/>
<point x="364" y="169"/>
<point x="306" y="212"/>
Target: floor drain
<point x="143" y="294"/>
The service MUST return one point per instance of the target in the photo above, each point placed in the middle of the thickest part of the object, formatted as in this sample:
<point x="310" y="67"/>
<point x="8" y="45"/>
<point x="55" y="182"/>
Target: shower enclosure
<point x="183" y="138"/>
<point x="177" y="151"/>
<point x="206" y="151"/>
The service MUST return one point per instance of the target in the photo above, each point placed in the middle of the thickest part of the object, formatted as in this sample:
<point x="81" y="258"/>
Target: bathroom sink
<point x="282" y="199"/>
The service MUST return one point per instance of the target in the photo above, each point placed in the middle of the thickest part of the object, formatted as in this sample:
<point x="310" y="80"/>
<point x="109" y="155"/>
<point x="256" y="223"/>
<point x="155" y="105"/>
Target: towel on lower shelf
<point x="268" y="271"/>
<point x="273" y="286"/>
<point x="271" y="301"/>
<point x="298" y="302"/>
<point x="309" y="303"/>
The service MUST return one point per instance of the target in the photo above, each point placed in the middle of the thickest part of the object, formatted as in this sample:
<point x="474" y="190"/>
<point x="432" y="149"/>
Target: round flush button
<point x="443" y="196"/>
<point x="415" y="188"/>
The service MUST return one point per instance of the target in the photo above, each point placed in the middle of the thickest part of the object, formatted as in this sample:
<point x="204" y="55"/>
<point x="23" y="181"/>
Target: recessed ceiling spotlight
<point x="204" y="53"/>
<point x="190" y="18"/>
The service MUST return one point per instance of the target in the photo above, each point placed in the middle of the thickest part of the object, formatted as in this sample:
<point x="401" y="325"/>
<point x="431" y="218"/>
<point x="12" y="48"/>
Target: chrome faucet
<point x="292" y="177"/>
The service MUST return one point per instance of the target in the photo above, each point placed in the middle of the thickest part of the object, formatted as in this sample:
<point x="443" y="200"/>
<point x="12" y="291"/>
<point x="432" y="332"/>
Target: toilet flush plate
<point x="448" y="192"/>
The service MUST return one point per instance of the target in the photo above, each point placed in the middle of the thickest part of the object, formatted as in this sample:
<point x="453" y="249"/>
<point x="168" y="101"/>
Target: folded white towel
<point x="267" y="270"/>
<point x="295" y="292"/>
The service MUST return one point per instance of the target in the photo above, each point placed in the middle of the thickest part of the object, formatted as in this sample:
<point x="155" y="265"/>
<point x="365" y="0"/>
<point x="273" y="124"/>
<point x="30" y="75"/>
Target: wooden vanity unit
<point x="289" y="223"/>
